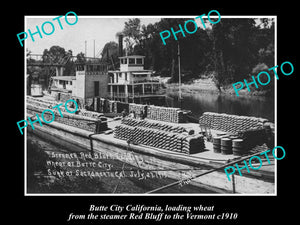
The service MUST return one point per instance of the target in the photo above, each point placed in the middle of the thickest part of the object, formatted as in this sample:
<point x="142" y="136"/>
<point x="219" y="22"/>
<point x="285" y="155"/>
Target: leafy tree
<point x="110" y="54"/>
<point x="58" y="55"/>
<point x="236" y="44"/>
<point x="54" y="55"/>
<point x="231" y="50"/>
<point x="132" y="34"/>
<point x="80" y="58"/>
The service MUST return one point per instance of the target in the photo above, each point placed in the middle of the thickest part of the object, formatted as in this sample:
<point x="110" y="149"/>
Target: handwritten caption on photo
<point x="87" y="165"/>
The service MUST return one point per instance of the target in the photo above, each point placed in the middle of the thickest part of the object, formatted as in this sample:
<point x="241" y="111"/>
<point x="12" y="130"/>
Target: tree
<point x="80" y="58"/>
<point x="69" y="65"/>
<point x="169" y="51"/>
<point x="230" y="50"/>
<point x="110" y="53"/>
<point x="233" y="50"/>
<point x="132" y="33"/>
<point x="56" y="55"/>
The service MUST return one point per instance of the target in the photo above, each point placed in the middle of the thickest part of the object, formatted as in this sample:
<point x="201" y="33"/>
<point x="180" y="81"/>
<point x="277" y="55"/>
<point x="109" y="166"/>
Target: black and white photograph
<point x="156" y="118"/>
<point x="151" y="114"/>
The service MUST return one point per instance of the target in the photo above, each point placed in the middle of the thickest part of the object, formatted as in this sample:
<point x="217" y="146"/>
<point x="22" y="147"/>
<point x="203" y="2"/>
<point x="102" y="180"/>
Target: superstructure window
<point x="131" y="61"/>
<point x="80" y="68"/>
<point x="124" y="61"/>
<point x="139" y="61"/>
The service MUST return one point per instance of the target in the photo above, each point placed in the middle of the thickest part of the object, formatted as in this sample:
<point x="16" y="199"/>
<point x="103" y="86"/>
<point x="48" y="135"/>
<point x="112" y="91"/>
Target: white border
<point x="149" y="195"/>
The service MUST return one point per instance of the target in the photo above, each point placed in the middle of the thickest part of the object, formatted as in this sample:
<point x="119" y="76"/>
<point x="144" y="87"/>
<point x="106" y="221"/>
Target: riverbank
<point x="203" y="96"/>
<point x="206" y="85"/>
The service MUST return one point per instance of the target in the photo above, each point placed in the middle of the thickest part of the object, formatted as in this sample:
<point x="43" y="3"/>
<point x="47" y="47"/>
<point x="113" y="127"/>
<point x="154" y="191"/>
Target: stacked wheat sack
<point x="136" y="107"/>
<point x="120" y="106"/>
<point x="230" y="123"/>
<point x="123" y="132"/>
<point x="173" y="115"/>
<point x="91" y="114"/>
<point x="172" y="138"/>
<point x="83" y="119"/>
<point x="153" y="125"/>
<point x="77" y="121"/>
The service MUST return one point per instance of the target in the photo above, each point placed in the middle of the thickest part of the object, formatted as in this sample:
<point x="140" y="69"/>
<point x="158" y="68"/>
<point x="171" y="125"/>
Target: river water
<point x="206" y="102"/>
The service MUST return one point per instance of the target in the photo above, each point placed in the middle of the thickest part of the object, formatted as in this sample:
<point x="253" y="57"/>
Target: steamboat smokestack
<point x="121" y="45"/>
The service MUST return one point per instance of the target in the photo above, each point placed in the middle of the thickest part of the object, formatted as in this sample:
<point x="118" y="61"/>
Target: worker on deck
<point x="142" y="115"/>
<point x="124" y="113"/>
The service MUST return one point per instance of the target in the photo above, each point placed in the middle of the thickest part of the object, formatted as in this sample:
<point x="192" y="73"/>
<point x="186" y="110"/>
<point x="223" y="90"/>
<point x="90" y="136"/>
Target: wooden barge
<point x="176" y="165"/>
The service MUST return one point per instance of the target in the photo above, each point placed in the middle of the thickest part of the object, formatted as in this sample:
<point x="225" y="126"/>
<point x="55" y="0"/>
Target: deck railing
<point x="136" y="95"/>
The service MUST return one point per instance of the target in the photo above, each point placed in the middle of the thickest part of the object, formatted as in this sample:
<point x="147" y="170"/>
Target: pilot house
<point x="132" y="82"/>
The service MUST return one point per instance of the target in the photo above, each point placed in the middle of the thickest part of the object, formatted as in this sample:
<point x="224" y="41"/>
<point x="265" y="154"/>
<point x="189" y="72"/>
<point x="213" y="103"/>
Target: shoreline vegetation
<point x="231" y="50"/>
<point x="210" y="60"/>
<point x="207" y="86"/>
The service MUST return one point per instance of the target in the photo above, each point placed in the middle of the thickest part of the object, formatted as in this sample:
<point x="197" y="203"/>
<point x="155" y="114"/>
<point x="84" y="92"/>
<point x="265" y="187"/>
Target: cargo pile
<point x="74" y="120"/>
<point x="91" y="114"/>
<point x="124" y="132"/>
<point x="253" y="137"/>
<point x="137" y="108"/>
<point x="230" y="123"/>
<point x="115" y="106"/>
<point x="167" y="137"/>
<point x="166" y="114"/>
<point x="173" y="115"/>
<point x="193" y="144"/>
<point x="120" y="106"/>
<point x="82" y="119"/>
<point x="49" y="104"/>
<point x="153" y="125"/>
<point x="40" y="102"/>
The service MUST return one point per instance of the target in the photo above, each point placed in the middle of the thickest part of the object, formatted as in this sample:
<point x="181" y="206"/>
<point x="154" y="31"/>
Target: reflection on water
<point x="207" y="102"/>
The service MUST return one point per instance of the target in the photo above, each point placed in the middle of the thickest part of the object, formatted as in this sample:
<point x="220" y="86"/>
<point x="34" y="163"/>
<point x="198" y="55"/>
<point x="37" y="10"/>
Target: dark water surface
<point x="206" y="102"/>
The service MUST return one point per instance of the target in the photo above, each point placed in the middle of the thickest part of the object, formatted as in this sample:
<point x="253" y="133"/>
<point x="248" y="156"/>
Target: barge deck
<point x="177" y="165"/>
